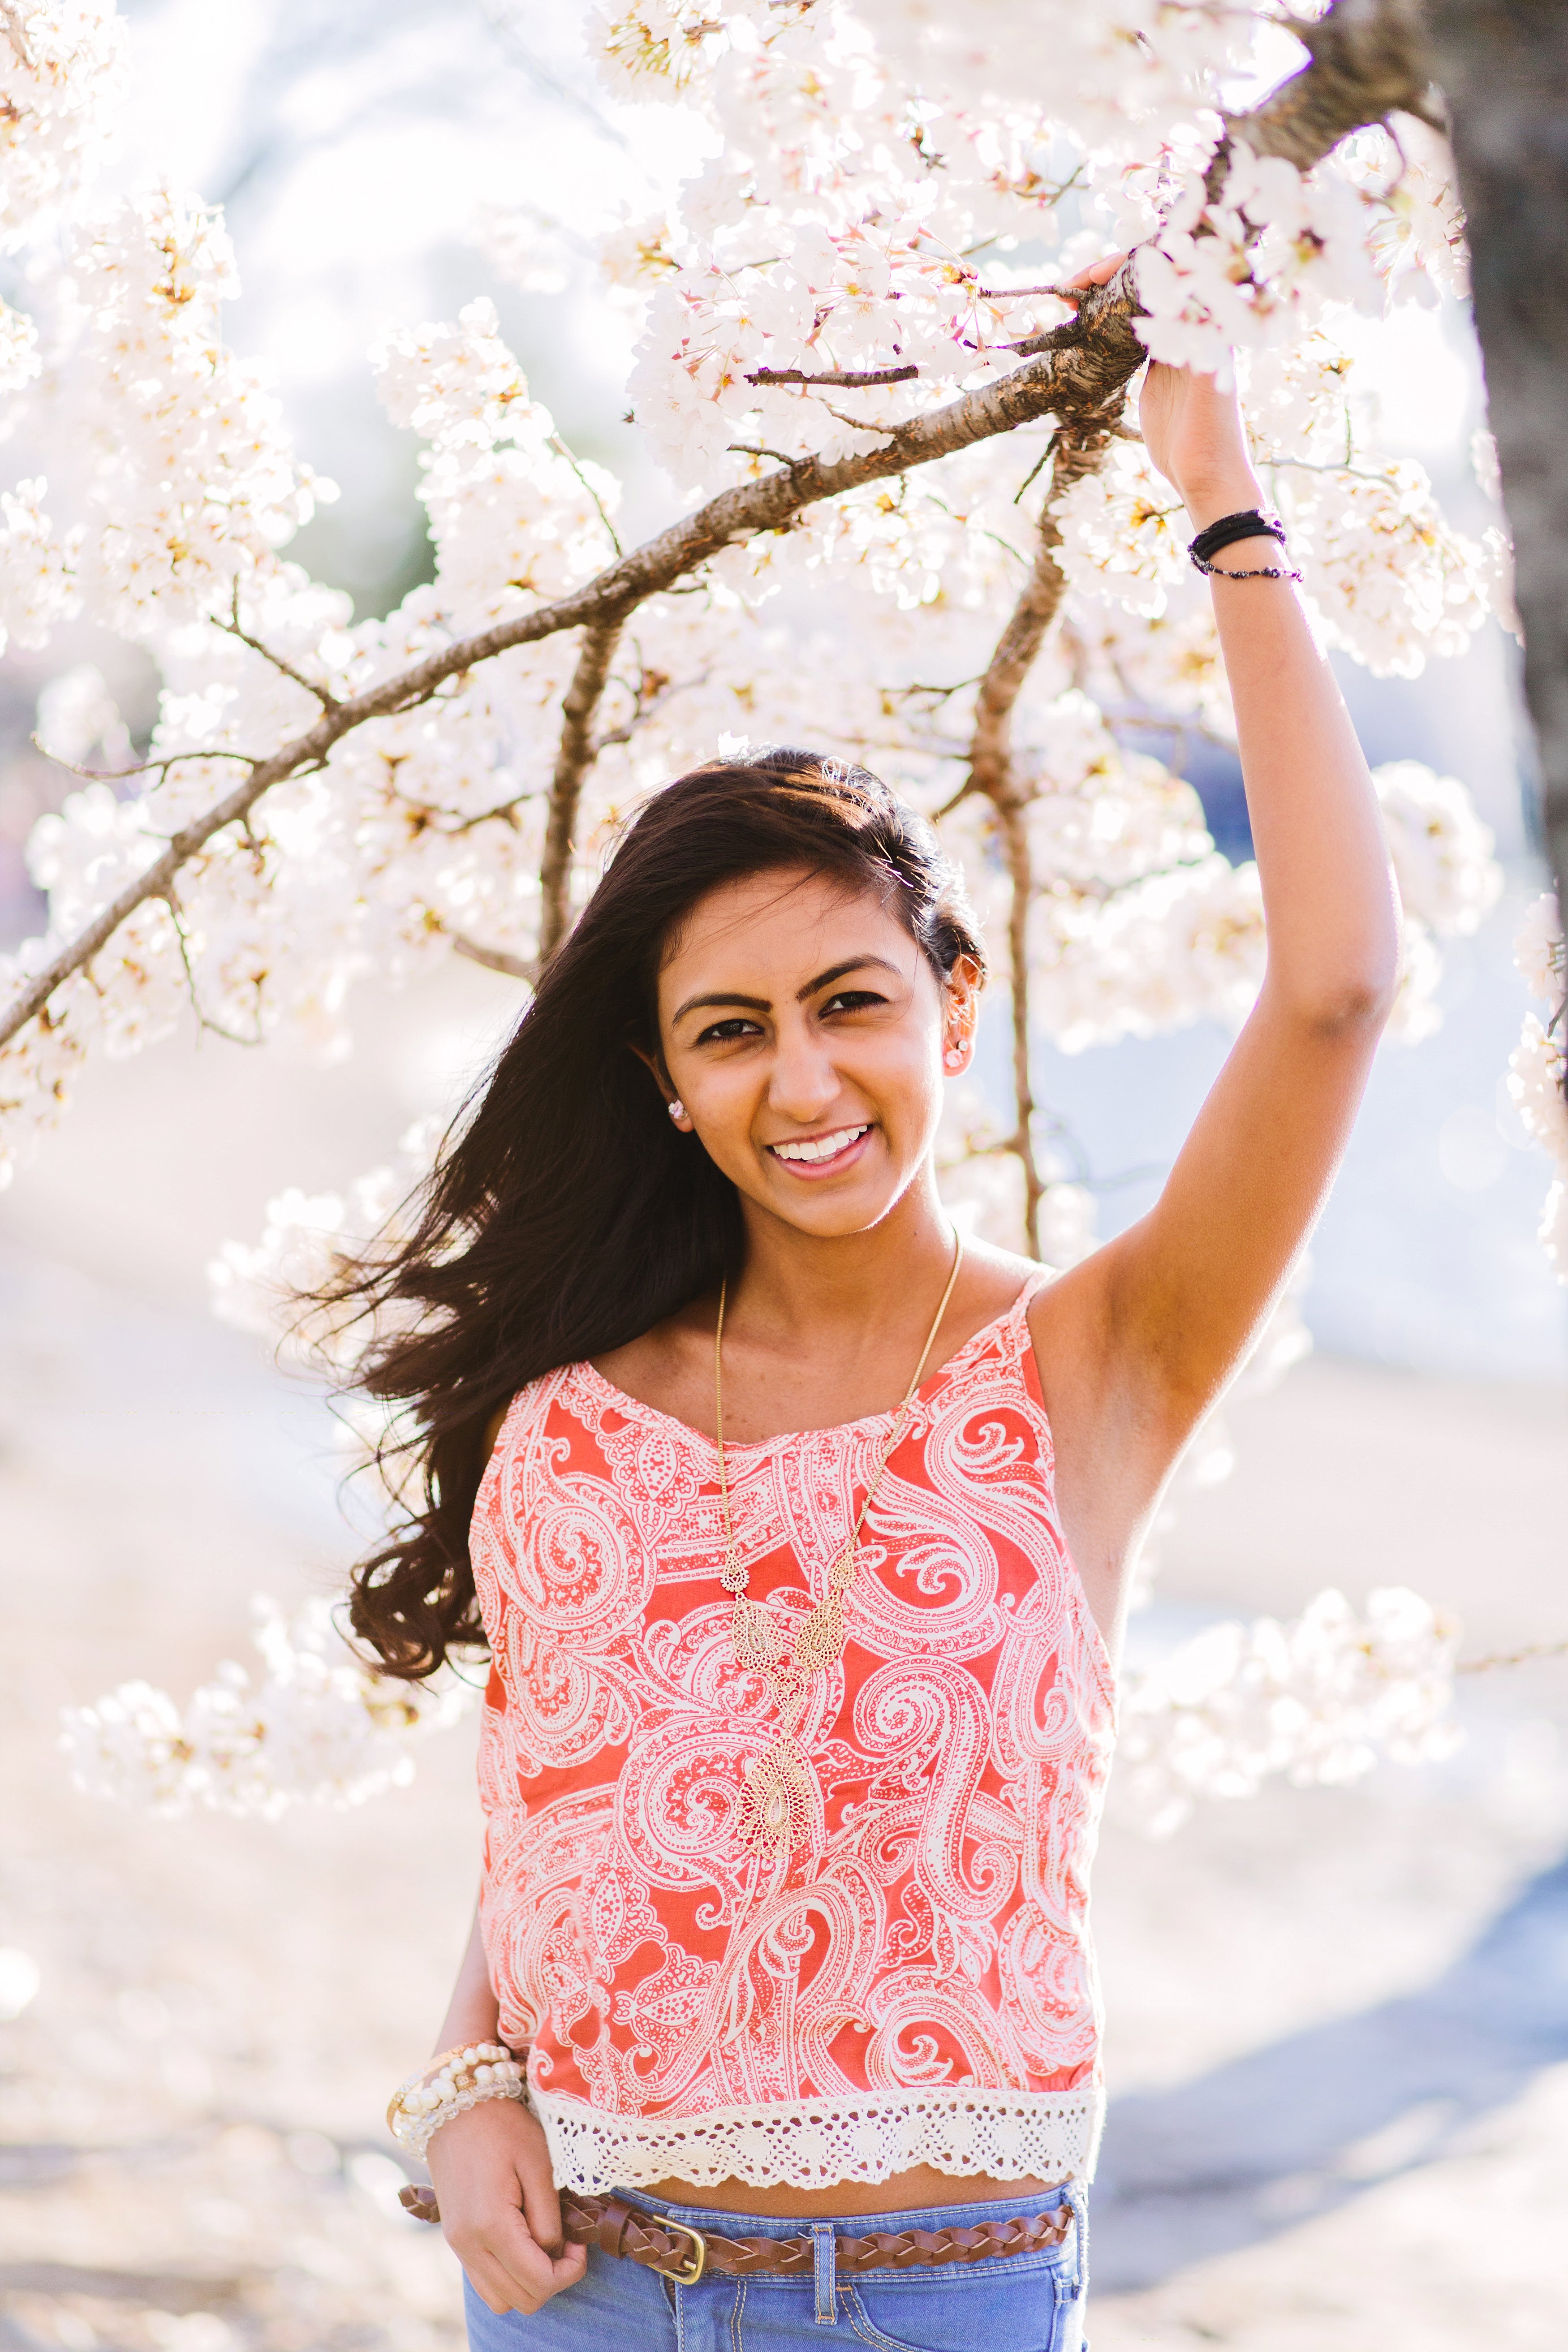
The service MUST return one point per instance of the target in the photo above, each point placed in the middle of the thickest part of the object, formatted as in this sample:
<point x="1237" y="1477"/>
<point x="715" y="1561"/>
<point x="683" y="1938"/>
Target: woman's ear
<point x="679" y="1116"/>
<point x="961" y="1013"/>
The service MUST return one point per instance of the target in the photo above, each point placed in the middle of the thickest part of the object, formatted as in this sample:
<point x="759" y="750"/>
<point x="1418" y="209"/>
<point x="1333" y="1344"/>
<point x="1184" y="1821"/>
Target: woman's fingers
<point x="511" y="2271"/>
<point x="1098" y="273"/>
<point x="540" y="2198"/>
<point x="490" y="2283"/>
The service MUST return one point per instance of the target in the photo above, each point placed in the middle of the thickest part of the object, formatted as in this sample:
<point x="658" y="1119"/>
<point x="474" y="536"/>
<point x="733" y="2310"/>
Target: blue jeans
<point x="1019" y="2303"/>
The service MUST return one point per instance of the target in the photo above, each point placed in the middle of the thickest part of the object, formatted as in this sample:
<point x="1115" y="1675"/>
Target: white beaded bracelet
<point x="450" y="2085"/>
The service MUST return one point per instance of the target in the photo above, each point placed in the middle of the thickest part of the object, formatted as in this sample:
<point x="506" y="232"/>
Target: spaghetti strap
<point x="1017" y="1318"/>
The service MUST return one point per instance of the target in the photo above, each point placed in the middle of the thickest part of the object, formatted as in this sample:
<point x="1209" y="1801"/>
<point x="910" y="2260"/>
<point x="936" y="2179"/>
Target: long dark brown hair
<point x="565" y="1215"/>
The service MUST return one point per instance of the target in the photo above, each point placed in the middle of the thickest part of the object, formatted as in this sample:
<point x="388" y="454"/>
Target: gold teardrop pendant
<point x="758" y="1643"/>
<point x="776" y="1803"/>
<point x="820" y="1640"/>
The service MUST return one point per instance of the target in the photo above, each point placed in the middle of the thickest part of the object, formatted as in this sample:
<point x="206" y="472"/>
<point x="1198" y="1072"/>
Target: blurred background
<point x="1339" y="2022"/>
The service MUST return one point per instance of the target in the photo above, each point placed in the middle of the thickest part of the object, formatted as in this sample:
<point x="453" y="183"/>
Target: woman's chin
<point x="851" y="1204"/>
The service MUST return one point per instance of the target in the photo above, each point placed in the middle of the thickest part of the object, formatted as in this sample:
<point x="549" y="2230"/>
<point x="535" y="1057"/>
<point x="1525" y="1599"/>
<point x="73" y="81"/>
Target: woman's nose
<point x="803" y="1082"/>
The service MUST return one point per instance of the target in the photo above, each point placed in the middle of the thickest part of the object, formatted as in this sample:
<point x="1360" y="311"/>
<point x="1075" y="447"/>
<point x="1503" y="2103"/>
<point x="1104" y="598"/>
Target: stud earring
<point x="953" y="1057"/>
<point x="678" y="1110"/>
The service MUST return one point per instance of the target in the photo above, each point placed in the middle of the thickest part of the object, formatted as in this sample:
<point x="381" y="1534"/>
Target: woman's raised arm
<point x="1150" y="1328"/>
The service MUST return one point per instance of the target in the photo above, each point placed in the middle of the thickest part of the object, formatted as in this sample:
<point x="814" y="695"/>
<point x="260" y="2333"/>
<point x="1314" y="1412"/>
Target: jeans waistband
<point x="728" y="2224"/>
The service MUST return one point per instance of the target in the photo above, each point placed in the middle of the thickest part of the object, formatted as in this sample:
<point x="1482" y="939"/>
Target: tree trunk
<point x="1503" y="66"/>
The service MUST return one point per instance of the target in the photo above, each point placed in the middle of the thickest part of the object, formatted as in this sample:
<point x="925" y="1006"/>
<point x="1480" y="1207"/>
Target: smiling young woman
<point x="798" y="1538"/>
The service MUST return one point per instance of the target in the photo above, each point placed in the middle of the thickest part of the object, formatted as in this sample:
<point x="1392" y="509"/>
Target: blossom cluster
<point x="318" y="1728"/>
<point x="870" y="167"/>
<point x="61" y="75"/>
<point x="273" y="1287"/>
<point x="1255" y="268"/>
<point x="1317" y="1700"/>
<point x="183" y="475"/>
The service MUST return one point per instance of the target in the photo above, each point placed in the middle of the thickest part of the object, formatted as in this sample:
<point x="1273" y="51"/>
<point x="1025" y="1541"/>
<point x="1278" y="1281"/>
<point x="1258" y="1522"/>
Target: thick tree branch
<point x="573" y="761"/>
<point x="1365" y="59"/>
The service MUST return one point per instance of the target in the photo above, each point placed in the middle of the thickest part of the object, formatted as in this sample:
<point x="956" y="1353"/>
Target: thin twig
<point x="144" y="767"/>
<point x="493" y="959"/>
<point x="838" y="379"/>
<point x="203" y="1022"/>
<point x="231" y="628"/>
<point x="1512" y="1657"/>
<point x="561" y="450"/>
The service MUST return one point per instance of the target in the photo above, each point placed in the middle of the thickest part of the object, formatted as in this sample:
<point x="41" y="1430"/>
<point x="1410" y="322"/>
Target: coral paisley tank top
<point x="916" y="1986"/>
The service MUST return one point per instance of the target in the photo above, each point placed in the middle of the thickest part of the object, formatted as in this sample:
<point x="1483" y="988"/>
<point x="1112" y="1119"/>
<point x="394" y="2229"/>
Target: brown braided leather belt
<point x="684" y="2256"/>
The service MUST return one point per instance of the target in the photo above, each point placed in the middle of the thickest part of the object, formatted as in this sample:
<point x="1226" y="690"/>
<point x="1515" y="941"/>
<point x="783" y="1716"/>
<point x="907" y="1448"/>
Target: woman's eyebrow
<point x="765" y="1003"/>
<point x="836" y="972"/>
<point x="723" y="996"/>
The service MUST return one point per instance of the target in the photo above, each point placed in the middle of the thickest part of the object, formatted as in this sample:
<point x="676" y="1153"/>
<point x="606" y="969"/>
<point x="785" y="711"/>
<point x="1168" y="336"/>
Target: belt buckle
<point x="696" y="2262"/>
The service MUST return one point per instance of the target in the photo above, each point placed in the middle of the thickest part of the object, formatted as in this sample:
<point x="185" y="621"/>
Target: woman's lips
<point x="844" y="1156"/>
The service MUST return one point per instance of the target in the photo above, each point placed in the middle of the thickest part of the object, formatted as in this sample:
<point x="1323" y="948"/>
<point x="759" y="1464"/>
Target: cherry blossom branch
<point x="1077" y="451"/>
<point x="156" y="881"/>
<point x="576" y="755"/>
<point x="1067" y="384"/>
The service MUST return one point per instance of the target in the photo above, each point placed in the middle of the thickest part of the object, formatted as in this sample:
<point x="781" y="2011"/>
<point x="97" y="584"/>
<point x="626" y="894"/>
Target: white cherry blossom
<point x="1318" y="1700"/>
<point x="318" y="1728"/>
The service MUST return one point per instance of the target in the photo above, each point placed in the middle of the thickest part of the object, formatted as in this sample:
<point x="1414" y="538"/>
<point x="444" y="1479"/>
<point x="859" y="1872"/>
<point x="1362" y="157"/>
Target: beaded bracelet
<point x="448" y="2086"/>
<point x="1249" y="524"/>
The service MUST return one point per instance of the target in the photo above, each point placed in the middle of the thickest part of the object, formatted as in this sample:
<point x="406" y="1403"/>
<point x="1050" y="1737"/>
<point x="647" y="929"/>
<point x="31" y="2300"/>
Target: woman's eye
<point x="720" y="1033"/>
<point x="853" y="1000"/>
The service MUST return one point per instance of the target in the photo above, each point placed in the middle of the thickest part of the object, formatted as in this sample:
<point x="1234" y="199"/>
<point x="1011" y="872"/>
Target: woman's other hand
<point x="1191" y="430"/>
<point x="501" y="2213"/>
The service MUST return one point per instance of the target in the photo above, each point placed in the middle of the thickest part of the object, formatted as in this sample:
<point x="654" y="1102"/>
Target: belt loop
<point x="1078" y="2200"/>
<point x="825" y="2247"/>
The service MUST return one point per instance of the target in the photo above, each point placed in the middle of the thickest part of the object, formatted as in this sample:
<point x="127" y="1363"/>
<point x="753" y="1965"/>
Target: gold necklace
<point x="777" y="1807"/>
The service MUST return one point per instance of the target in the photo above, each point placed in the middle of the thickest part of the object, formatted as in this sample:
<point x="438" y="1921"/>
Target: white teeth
<point x="824" y="1148"/>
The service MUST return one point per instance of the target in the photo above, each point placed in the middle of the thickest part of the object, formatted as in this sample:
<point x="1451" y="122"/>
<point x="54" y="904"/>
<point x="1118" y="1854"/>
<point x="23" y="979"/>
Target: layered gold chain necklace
<point x="778" y="1805"/>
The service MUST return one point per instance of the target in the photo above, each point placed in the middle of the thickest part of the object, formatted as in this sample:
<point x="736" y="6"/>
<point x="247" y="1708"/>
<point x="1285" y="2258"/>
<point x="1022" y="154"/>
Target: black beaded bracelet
<point x="1251" y="524"/>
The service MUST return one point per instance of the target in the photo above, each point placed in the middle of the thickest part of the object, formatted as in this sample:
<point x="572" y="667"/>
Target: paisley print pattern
<point x="915" y="1986"/>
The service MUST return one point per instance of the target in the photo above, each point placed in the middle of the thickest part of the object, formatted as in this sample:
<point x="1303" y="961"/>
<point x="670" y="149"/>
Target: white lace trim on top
<point x="869" y="2136"/>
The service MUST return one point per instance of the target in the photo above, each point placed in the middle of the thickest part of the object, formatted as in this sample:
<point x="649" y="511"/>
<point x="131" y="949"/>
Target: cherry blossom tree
<point x="912" y="523"/>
